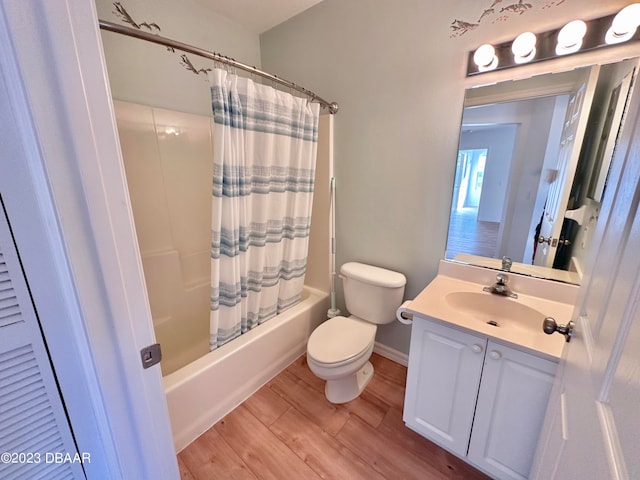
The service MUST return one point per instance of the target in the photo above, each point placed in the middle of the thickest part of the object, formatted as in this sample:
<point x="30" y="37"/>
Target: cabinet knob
<point x="476" y="347"/>
<point x="496" y="355"/>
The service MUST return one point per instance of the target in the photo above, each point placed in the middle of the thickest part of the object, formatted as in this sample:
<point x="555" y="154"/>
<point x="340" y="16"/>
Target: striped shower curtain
<point x="264" y="145"/>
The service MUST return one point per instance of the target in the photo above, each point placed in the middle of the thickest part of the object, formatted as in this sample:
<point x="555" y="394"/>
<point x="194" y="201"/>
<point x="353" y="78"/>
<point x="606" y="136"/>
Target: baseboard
<point x="391" y="353"/>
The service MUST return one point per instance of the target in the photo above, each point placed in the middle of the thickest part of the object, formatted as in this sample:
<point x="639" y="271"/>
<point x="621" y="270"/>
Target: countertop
<point x="431" y="302"/>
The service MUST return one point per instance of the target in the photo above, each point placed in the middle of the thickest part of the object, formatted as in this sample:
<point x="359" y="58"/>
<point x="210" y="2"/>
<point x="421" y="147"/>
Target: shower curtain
<point x="264" y="145"/>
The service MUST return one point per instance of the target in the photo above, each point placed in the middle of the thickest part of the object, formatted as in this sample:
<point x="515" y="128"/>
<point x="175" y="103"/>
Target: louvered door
<point x="35" y="437"/>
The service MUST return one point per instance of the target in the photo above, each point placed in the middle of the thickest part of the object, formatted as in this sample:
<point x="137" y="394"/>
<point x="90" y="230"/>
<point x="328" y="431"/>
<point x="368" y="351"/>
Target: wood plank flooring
<point x="468" y="235"/>
<point x="288" y="430"/>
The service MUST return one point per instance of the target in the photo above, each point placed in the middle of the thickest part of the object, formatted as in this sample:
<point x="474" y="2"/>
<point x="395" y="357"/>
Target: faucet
<point x="501" y="286"/>
<point x="506" y="264"/>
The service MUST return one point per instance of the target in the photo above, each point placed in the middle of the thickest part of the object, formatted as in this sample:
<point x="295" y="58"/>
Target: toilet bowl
<point x="338" y="350"/>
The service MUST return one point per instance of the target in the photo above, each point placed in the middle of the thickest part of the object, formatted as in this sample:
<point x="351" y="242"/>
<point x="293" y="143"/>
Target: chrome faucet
<point x="501" y="287"/>
<point x="506" y="264"/>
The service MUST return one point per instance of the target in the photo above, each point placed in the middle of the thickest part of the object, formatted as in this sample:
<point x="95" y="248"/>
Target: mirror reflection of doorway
<point x="480" y="189"/>
<point x="468" y="233"/>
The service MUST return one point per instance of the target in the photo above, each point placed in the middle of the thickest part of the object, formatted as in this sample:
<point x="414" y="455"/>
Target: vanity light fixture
<point x="524" y="47"/>
<point x="485" y="58"/>
<point x="570" y="37"/>
<point x="575" y="37"/>
<point x="624" y="24"/>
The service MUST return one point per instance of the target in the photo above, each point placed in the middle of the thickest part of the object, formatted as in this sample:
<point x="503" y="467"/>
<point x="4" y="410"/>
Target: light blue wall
<point x="397" y="72"/>
<point x="149" y="74"/>
<point x="399" y="76"/>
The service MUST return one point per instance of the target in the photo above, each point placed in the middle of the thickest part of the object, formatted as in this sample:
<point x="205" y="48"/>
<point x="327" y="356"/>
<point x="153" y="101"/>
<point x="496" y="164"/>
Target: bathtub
<point x="201" y="393"/>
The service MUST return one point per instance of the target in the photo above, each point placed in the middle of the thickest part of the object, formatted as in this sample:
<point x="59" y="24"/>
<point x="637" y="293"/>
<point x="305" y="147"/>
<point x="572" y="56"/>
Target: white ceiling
<point x="258" y="15"/>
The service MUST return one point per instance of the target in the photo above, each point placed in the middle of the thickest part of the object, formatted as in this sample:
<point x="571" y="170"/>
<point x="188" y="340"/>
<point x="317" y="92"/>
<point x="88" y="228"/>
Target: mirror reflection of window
<point x="470" y="187"/>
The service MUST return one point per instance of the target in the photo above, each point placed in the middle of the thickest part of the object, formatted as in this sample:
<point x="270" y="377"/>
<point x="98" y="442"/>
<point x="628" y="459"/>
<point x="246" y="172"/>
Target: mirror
<point x="531" y="169"/>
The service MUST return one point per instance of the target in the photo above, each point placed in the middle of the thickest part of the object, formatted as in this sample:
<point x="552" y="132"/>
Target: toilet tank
<point x="372" y="293"/>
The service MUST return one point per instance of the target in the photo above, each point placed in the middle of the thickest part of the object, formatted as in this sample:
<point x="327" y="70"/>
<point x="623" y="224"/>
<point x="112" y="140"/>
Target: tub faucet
<point x="501" y="287"/>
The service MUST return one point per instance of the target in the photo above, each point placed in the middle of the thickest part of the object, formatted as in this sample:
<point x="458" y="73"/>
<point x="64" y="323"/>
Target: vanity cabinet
<point x="445" y="365"/>
<point x="476" y="397"/>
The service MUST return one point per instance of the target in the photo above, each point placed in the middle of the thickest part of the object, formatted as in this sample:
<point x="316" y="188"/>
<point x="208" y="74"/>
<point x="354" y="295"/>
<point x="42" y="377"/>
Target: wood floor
<point x="289" y="431"/>
<point x="468" y="235"/>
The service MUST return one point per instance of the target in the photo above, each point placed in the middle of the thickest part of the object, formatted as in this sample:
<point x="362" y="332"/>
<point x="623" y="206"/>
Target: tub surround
<point x="168" y="163"/>
<point x="202" y="387"/>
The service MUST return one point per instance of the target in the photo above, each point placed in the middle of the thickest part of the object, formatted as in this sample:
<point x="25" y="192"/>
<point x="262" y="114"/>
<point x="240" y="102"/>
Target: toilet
<point x="339" y="349"/>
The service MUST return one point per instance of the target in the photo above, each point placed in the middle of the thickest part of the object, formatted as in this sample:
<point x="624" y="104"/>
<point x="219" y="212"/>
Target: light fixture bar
<point x="546" y="43"/>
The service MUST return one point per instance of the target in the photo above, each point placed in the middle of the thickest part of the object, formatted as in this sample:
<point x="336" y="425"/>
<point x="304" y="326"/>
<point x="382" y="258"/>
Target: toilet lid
<point x="339" y="339"/>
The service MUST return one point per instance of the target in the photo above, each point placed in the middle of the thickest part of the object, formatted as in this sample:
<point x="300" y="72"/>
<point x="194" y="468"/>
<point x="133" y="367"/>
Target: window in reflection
<point x="472" y="163"/>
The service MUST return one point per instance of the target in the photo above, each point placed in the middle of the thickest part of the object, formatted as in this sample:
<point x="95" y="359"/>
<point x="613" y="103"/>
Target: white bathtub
<point x="201" y="393"/>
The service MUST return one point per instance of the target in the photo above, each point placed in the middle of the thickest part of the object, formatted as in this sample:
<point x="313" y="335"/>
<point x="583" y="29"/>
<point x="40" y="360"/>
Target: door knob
<point x="542" y="239"/>
<point x="550" y="326"/>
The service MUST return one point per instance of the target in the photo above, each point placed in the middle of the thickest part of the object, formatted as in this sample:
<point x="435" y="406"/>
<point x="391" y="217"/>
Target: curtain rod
<point x="149" y="37"/>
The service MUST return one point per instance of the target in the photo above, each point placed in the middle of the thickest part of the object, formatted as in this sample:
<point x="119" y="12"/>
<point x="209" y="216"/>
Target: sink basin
<point x="456" y="297"/>
<point x="497" y="311"/>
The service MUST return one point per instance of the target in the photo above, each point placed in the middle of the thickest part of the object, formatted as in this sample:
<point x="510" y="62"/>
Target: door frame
<point x="551" y="450"/>
<point x="65" y="192"/>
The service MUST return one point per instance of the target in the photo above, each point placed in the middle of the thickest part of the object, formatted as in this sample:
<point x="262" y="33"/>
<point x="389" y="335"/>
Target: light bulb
<point x="485" y="58"/>
<point x="524" y="47"/>
<point x="570" y="37"/>
<point x="624" y="24"/>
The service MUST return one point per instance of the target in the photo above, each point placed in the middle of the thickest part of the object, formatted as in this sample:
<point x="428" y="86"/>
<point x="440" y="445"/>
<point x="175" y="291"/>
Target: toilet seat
<point x="340" y="340"/>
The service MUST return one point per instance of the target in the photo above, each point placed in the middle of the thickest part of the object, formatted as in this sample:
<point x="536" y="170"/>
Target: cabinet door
<point x="511" y="407"/>
<point x="442" y="383"/>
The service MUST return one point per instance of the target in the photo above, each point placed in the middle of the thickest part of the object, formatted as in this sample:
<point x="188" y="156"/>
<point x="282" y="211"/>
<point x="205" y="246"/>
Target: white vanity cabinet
<point x="445" y="365"/>
<point x="478" y="398"/>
